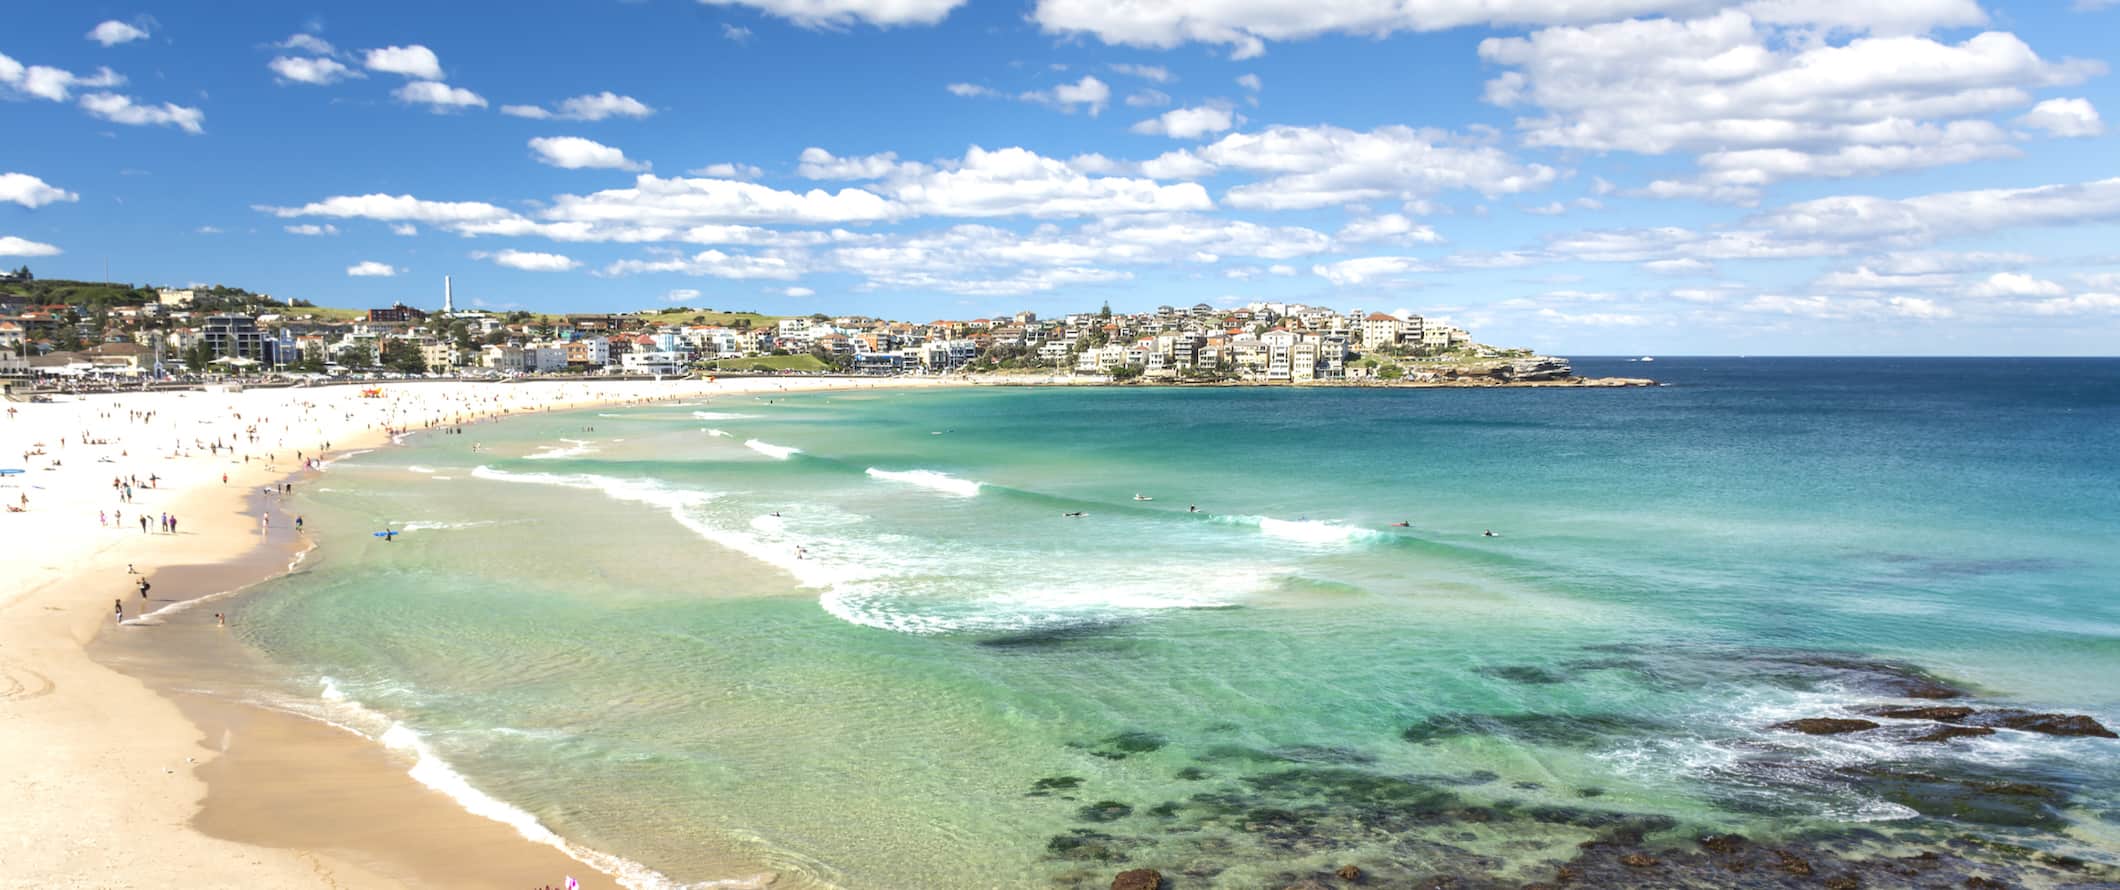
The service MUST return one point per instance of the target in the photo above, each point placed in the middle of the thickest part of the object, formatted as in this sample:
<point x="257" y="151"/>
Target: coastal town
<point x="54" y="331"/>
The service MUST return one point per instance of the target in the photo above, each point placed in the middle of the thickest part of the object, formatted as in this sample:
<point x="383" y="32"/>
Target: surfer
<point x="1489" y="534"/>
<point x="1402" y="525"/>
<point x="1192" y="508"/>
<point x="1075" y="515"/>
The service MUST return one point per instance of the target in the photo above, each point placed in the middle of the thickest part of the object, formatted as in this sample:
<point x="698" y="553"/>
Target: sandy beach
<point x="125" y="780"/>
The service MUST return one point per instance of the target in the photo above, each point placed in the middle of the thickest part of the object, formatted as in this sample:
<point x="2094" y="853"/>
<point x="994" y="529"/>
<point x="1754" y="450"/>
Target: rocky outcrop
<point x="1940" y="714"/>
<point x="1826" y="725"/>
<point x="1538" y="367"/>
<point x="2045" y="724"/>
<point x="1138" y="879"/>
<point x="1945" y="733"/>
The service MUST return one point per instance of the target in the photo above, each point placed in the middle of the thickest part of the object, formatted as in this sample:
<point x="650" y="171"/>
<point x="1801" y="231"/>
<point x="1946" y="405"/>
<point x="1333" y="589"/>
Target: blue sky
<point x="1589" y="176"/>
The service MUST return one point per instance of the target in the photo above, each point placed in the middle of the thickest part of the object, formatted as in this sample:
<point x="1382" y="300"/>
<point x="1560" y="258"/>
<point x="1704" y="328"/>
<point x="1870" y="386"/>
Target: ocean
<point x="1021" y="637"/>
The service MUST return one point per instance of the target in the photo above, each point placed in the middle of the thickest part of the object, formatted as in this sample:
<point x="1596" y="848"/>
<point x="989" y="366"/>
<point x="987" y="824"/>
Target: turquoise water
<point x="921" y="672"/>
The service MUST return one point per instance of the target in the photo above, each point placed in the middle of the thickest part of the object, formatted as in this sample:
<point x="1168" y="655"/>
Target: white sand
<point x="100" y="787"/>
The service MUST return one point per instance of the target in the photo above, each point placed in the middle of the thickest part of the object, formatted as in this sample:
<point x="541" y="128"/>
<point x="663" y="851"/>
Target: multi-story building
<point x="229" y="335"/>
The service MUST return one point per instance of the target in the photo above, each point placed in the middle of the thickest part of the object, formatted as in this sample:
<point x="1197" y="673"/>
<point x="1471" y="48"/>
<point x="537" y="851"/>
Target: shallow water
<point x="922" y="672"/>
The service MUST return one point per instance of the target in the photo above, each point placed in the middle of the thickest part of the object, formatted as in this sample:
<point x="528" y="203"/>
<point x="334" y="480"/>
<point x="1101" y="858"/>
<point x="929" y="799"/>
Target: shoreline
<point x="139" y="782"/>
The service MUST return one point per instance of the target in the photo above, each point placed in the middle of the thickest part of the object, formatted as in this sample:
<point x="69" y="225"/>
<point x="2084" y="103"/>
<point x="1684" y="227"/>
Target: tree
<point x="354" y="356"/>
<point x="1106" y="312"/>
<point x="1124" y="373"/>
<point x="404" y="356"/>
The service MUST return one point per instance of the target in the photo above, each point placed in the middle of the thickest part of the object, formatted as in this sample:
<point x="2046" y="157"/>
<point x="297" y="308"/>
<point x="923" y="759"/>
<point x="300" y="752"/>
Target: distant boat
<point x="1648" y="358"/>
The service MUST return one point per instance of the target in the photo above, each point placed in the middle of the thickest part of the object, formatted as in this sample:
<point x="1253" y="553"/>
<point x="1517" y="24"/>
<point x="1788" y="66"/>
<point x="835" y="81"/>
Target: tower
<point x="448" y="299"/>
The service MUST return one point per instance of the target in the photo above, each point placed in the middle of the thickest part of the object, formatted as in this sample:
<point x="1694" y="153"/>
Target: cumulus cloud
<point x="404" y="230"/>
<point x="576" y="153"/>
<point x="1088" y="93"/>
<point x="1762" y="103"/>
<point x="591" y="107"/>
<point x="797" y="292"/>
<point x="1369" y="270"/>
<point x="1250" y="82"/>
<point x="726" y="170"/>
<point x="51" y="84"/>
<point x="371" y="269"/>
<point x="1387" y="227"/>
<point x="415" y="61"/>
<point x="308" y="43"/>
<point x="1326" y="165"/>
<point x="114" y="32"/>
<point x="1152" y="73"/>
<point x="123" y="110"/>
<point x="317" y="71"/>
<point x="2014" y="284"/>
<point x="13" y="246"/>
<point x="440" y="97"/>
<point x="529" y="261"/>
<point x="2064" y="117"/>
<point x="1147" y="99"/>
<point x="841" y="13"/>
<point x="1190" y="123"/>
<point x="312" y="229"/>
<point x="714" y="264"/>
<point x="32" y="192"/>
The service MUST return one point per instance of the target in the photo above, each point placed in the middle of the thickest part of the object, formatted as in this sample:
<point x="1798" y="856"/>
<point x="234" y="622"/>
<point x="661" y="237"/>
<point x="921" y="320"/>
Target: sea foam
<point x="776" y="452"/>
<point x="929" y="479"/>
<point x="1304" y="531"/>
<point x="573" y="448"/>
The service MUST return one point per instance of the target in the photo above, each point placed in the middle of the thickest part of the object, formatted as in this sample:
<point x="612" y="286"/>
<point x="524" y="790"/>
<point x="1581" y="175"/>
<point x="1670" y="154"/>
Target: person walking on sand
<point x="144" y="587"/>
<point x="143" y="523"/>
<point x="172" y="525"/>
<point x="119" y="607"/>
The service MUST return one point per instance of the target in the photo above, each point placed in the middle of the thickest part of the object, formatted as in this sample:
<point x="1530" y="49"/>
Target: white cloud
<point x="396" y="208"/>
<point x="1245" y="26"/>
<point x="1089" y="93"/>
<point x="1387" y="227"/>
<point x="655" y="200"/>
<point x="529" y="261"/>
<point x="318" y="71"/>
<point x="737" y="33"/>
<point x="371" y="269"/>
<point x="51" y="84"/>
<point x="2064" y="117"/>
<point x="308" y="43"/>
<point x="2014" y="284"/>
<point x="591" y="107"/>
<point x="681" y="294"/>
<point x="1250" y="82"/>
<point x="13" y="246"/>
<point x="121" y="109"/>
<point x="1924" y="218"/>
<point x="1190" y="123"/>
<point x="1368" y="270"/>
<point x="715" y="264"/>
<point x="840" y="13"/>
<point x="2079" y="304"/>
<point x="1147" y="99"/>
<point x="415" y="61"/>
<point x="817" y="163"/>
<point x="208" y="230"/>
<point x="576" y="153"/>
<point x="404" y="229"/>
<point x="312" y="229"/>
<point x="32" y="192"/>
<point x="798" y="292"/>
<point x="971" y="90"/>
<point x="1018" y="181"/>
<point x="1764" y="103"/>
<point x="443" y="97"/>
<point x="727" y="170"/>
<point x="114" y="32"/>
<point x="1152" y="73"/>
<point x="1686" y="266"/>
<point x="1325" y="165"/>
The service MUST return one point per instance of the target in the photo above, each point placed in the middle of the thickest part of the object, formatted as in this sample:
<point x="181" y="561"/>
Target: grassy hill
<point x="79" y="292"/>
<point x="682" y="315"/>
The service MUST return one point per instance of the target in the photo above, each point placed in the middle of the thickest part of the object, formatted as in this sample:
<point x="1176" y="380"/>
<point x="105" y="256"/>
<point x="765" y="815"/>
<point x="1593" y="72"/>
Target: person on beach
<point x="144" y="587"/>
<point x="172" y="525"/>
<point x="220" y="620"/>
<point x="119" y="607"/>
<point x="298" y="523"/>
<point x="143" y="523"/>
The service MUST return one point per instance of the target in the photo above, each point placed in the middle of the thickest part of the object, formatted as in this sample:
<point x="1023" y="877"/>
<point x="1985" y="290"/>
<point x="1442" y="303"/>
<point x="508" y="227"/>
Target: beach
<point x="1011" y="636"/>
<point x="111" y="770"/>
